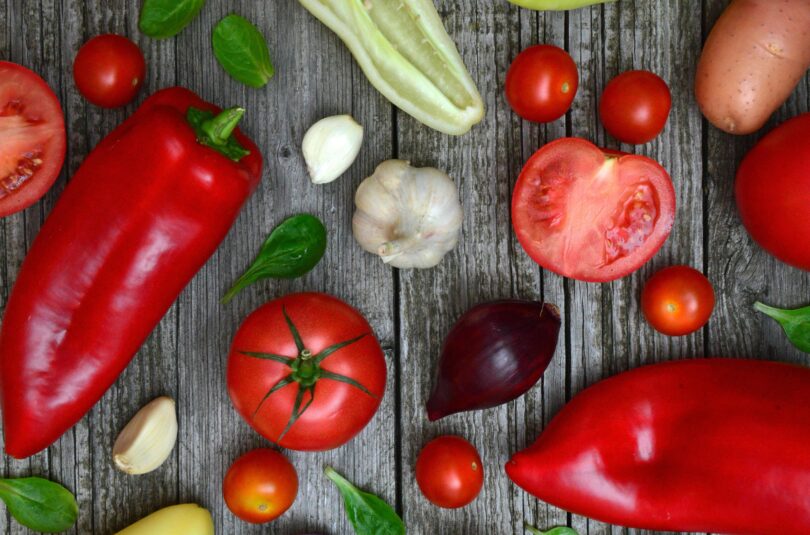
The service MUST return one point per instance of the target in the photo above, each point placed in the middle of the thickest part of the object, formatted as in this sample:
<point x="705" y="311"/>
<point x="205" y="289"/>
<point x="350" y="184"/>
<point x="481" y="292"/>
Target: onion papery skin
<point x="493" y="354"/>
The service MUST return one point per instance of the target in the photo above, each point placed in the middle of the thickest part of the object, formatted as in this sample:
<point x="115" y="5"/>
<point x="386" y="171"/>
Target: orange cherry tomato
<point x="449" y="472"/>
<point x="677" y="300"/>
<point x="260" y="486"/>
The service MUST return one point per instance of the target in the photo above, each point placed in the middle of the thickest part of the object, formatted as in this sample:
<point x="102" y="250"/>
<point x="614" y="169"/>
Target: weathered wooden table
<point x="411" y="311"/>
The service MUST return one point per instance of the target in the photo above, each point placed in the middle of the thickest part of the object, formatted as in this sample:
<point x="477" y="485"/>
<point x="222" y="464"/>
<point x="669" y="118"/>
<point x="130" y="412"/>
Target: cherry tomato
<point x="109" y="70"/>
<point x="32" y="138"/>
<point x="635" y="106"/>
<point x="260" y="486"/>
<point x="773" y="192"/>
<point x="328" y="384"/>
<point x="591" y="215"/>
<point x="677" y="300"/>
<point x="541" y="83"/>
<point x="449" y="472"/>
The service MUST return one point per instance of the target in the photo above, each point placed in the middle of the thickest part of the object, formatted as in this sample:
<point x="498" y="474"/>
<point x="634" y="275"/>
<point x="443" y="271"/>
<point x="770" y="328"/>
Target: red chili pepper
<point x="143" y="213"/>
<point x="715" y="445"/>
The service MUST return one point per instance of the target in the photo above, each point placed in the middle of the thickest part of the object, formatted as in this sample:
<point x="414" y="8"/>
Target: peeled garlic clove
<point x="330" y="147"/>
<point x="410" y="217"/>
<point x="148" y="439"/>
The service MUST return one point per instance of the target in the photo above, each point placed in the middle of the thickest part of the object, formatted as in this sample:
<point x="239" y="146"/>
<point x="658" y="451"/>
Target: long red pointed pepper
<point x="141" y="216"/>
<point x="715" y="445"/>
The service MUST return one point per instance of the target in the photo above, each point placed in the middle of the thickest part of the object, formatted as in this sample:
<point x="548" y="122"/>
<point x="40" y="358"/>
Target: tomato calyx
<point x="305" y="370"/>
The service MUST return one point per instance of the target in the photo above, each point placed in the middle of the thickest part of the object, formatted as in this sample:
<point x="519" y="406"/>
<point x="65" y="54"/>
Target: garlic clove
<point x="330" y="147"/>
<point x="148" y="439"/>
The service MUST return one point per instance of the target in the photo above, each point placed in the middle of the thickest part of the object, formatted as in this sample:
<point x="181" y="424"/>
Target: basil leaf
<point x="562" y="530"/>
<point x="796" y="323"/>
<point x="242" y="51"/>
<point x="368" y="514"/>
<point x="39" y="504"/>
<point x="291" y="250"/>
<point x="165" y="18"/>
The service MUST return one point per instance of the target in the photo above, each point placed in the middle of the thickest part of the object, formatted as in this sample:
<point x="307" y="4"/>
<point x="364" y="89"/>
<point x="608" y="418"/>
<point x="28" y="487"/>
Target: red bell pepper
<point x="141" y="216"/>
<point x="715" y="445"/>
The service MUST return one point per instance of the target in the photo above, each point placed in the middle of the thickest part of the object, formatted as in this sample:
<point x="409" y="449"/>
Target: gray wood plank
<point x="484" y="163"/>
<point x="315" y="77"/>
<point x="608" y="333"/>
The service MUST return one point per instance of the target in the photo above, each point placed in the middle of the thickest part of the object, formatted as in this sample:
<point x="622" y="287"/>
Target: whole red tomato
<point x="109" y="70"/>
<point x="32" y="138"/>
<point x="260" y="486"/>
<point x="590" y="214"/>
<point x="541" y="83"/>
<point x="773" y="192"/>
<point x="635" y="106"/>
<point x="677" y="300"/>
<point x="449" y="472"/>
<point x="306" y="371"/>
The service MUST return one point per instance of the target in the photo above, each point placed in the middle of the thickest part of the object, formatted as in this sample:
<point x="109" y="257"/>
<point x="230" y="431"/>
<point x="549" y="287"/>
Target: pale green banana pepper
<point x="557" y="5"/>
<point x="405" y="52"/>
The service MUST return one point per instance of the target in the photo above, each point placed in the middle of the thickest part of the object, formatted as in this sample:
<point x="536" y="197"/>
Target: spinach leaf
<point x="368" y="514"/>
<point x="291" y="250"/>
<point x="796" y="323"/>
<point x="561" y="530"/>
<point x="165" y="18"/>
<point x="242" y="51"/>
<point x="39" y="504"/>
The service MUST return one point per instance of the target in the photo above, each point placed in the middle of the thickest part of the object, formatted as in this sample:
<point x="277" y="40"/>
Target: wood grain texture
<point x="410" y="311"/>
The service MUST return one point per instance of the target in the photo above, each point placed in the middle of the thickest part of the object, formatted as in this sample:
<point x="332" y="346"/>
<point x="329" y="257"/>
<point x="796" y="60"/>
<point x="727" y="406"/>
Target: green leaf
<point x="291" y="250"/>
<point x="39" y="504"/>
<point x="216" y="131"/>
<point x="165" y="18"/>
<point x="796" y="323"/>
<point x="562" y="530"/>
<point x="368" y="514"/>
<point x="242" y="51"/>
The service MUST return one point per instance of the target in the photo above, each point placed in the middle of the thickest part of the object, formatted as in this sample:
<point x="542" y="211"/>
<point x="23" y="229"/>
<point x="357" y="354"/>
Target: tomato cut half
<point x="590" y="214"/>
<point x="32" y="138"/>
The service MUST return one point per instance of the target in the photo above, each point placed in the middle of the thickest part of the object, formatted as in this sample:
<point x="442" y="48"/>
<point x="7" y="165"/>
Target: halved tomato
<point x="32" y="138"/>
<point x="590" y="214"/>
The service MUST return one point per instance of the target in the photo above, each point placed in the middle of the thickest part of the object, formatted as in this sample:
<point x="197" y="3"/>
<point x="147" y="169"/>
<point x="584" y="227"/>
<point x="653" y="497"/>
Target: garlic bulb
<point x="410" y="217"/>
<point x="330" y="147"/>
<point x="148" y="439"/>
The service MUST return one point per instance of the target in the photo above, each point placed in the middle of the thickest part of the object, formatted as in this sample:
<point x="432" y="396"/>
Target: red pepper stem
<point x="220" y="127"/>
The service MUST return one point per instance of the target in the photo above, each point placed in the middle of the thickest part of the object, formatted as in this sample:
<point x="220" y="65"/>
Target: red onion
<point x="495" y="353"/>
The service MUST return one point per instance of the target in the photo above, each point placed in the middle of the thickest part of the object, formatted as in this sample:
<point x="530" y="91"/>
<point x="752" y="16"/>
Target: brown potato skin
<point x="754" y="57"/>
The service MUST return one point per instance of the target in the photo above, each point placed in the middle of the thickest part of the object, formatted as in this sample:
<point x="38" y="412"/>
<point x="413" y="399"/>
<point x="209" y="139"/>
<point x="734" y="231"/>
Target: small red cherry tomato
<point x="260" y="486"/>
<point x="677" y="300"/>
<point x="449" y="472"/>
<point x="109" y="70"/>
<point x="541" y="83"/>
<point x="635" y="106"/>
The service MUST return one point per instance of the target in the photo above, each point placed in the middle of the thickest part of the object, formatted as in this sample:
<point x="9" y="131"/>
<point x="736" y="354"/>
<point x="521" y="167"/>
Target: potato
<point x="753" y="58"/>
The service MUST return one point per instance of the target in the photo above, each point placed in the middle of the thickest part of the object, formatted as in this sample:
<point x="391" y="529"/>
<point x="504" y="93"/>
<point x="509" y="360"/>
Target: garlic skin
<point x="330" y="147"/>
<point x="148" y="439"/>
<point x="410" y="217"/>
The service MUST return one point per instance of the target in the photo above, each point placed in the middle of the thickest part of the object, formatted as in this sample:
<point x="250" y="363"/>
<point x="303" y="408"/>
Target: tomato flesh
<point x="32" y="138"/>
<point x="449" y="472"/>
<point x="677" y="300"/>
<point x="590" y="215"/>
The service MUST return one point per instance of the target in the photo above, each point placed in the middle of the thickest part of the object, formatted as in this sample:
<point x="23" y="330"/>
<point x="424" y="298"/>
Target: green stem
<point x="216" y="131"/>
<point x="532" y="529"/>
<point x="220" y="128"/>
<point x="775" y="313"/>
